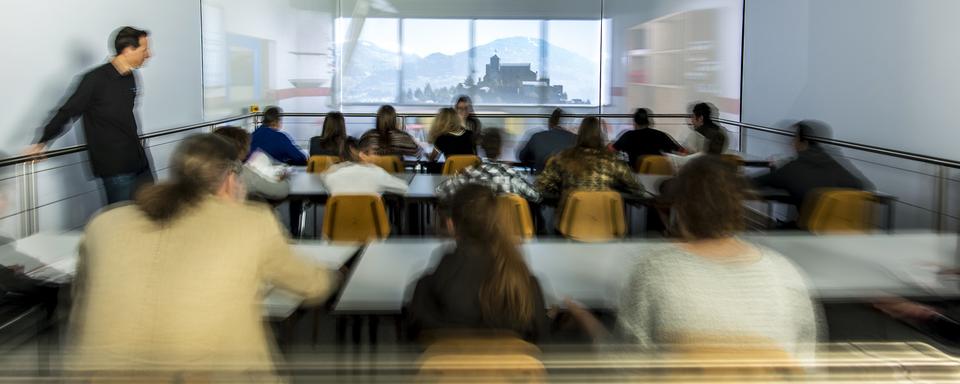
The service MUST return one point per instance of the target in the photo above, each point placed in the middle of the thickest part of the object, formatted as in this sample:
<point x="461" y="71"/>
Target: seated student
<point x="812" y="168"/>
<point x="704" y="128"/>
<point x="356" y="175"/>
<point x="388" y="140"/>
<point x="449" y="137"/>
<point x="498" y="177"/>
<point x="644" y="140"/>
<point x="714" y="145"/>
<point x="330" y="142"/>
<point x="464" y="107"/>
<point x="483" y="283"/>
<point x="258" y="185"/>
<point x="587" y="166"/>
<point x="543" y="145"/>
<point x="711" y="287"/>
<point x="173" y="282"/>
<point x="278" y="145"/>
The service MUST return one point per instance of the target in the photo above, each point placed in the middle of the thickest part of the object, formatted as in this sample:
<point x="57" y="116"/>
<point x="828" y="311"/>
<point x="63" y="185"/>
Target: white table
<point x="51" y="256"/>
<point x="590" y="273"/>
<point x="838" y="268"/>
<point x="855" y="266"/>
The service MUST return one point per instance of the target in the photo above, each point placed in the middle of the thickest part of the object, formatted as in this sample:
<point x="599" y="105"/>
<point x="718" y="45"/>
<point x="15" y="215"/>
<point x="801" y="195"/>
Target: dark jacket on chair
<point x="449" y="297"/>
<point x="812" y="169"/>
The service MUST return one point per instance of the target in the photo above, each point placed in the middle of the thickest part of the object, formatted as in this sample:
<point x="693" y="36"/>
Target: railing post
<point x="29" y="220"/>
<point x="743" y="140"/>
<point x="943" y="179"/>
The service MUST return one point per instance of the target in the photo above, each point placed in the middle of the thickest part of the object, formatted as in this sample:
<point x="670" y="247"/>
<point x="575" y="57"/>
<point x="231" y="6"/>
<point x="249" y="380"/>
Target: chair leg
<point x="341" y="324"/>
<point x="373" y="324"/>
<point x="357" y="329"/>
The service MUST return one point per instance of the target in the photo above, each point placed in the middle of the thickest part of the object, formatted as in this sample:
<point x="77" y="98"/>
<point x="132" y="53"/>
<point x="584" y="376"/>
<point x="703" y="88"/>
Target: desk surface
<point x="422" y="185"/>
<point x="51" y="256"/>
<point x="838" y="268"/>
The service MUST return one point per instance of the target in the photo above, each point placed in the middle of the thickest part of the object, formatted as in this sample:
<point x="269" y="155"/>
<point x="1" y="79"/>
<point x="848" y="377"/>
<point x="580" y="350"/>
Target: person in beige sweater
<point x="171" y="284"/>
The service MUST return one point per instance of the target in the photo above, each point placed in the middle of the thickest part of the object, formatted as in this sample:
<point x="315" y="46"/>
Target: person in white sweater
<point x="357" y="175"/>
<point x="711" y="288"/>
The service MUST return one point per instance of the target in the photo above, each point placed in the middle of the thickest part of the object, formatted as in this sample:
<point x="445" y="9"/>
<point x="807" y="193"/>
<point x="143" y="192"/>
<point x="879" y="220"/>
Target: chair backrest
<point x="654" y="165"/>
<point x="392" y="164"/>
<point x="355" y="218"/>
<point x="320" y="163"/>
<point x="838" y="210"/>
<point x="456" y="163"/>
<point x="514" y="215"/>
<point x="593" y="216"/>
<point x="481" y="368"/>
<point x="733" y="159"/>
<point x="481" y="359"/>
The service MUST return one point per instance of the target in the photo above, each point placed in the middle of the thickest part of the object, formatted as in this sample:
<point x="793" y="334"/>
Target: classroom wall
<point x="47" y="45"/>
<point x="880" y="72"/>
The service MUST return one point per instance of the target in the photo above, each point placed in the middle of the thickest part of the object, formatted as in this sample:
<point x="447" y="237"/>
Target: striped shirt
<point x="397" y="143"/>
<point x="498" y="177"/>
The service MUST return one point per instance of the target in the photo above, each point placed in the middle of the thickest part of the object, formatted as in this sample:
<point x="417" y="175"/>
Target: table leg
<point x="296" y="210"/>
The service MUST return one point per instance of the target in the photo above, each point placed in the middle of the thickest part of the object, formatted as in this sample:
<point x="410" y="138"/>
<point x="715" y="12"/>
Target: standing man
<point x="106" y="98"/>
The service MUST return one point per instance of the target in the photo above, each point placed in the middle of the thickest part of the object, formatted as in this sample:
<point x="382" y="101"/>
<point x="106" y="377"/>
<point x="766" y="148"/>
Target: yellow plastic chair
<point x="492" y="359"/>
<point x="838" y="210"/>
<point x="655" y="165"/>
<point x="593" y="216"/>
<point x="456" y="163"/>
<point x="319" y="163"/>
<point x="733" y="159"/>
<point x="514" y="215"/>
<point x="355" y="218"/>
<point x="392" y="164"/>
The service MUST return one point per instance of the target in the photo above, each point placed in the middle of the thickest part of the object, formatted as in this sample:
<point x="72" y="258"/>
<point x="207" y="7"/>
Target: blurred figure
<point x="16" y="287"/>
<point x="543" y="145"/>
<point x="258" y="185"/>
<point x="449" y="137"/>
<point x="483" y="284"/>
<point x="278" y="145"/>
<point x="464" y="108"/>
<point x="388" y="140"/>
<point x="644" y="140"/>
<point x="172" y="283"/>
<point x="588" y="166"/>
<point x="704" y="129"/>
<point x="813" y="167"/>
<point x="712" y="287"/>
<point x="356" y="174"/>
<point x="330" y="142"/>
<point x="106" y="97"/>
<point x="498" y="177"/>
<point x="715" y="144"/>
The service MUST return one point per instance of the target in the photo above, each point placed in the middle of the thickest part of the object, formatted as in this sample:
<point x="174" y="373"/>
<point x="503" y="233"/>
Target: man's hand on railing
<point x="36" y="151"/>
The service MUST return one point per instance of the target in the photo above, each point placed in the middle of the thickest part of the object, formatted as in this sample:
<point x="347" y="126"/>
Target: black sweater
<point x="106" y="100"/>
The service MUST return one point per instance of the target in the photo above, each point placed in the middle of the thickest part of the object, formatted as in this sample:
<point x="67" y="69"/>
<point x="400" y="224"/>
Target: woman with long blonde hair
<point x="449" y="136"/>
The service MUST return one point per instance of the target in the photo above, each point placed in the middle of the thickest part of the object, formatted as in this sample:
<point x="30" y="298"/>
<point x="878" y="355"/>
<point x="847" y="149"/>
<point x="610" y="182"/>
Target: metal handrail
<point x="82" y="147"/>
<point x="851" y="145"/>
<point x="840" y="143"/>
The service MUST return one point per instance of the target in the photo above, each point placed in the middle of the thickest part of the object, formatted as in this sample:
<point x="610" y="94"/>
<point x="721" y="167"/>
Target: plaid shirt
<point x="586" y="169"/>
<point x="500" y="178"/>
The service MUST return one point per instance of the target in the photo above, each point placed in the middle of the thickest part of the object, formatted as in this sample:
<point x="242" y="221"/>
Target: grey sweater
<point x="260" y="186"/>
<point x="675" y="297"/>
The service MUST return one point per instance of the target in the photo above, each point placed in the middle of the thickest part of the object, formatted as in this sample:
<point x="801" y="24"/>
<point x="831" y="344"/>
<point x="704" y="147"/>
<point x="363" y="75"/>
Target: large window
<point x="414" y="61"/>
<point x="435" y="57"/>
<point x="369" y="54"/>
